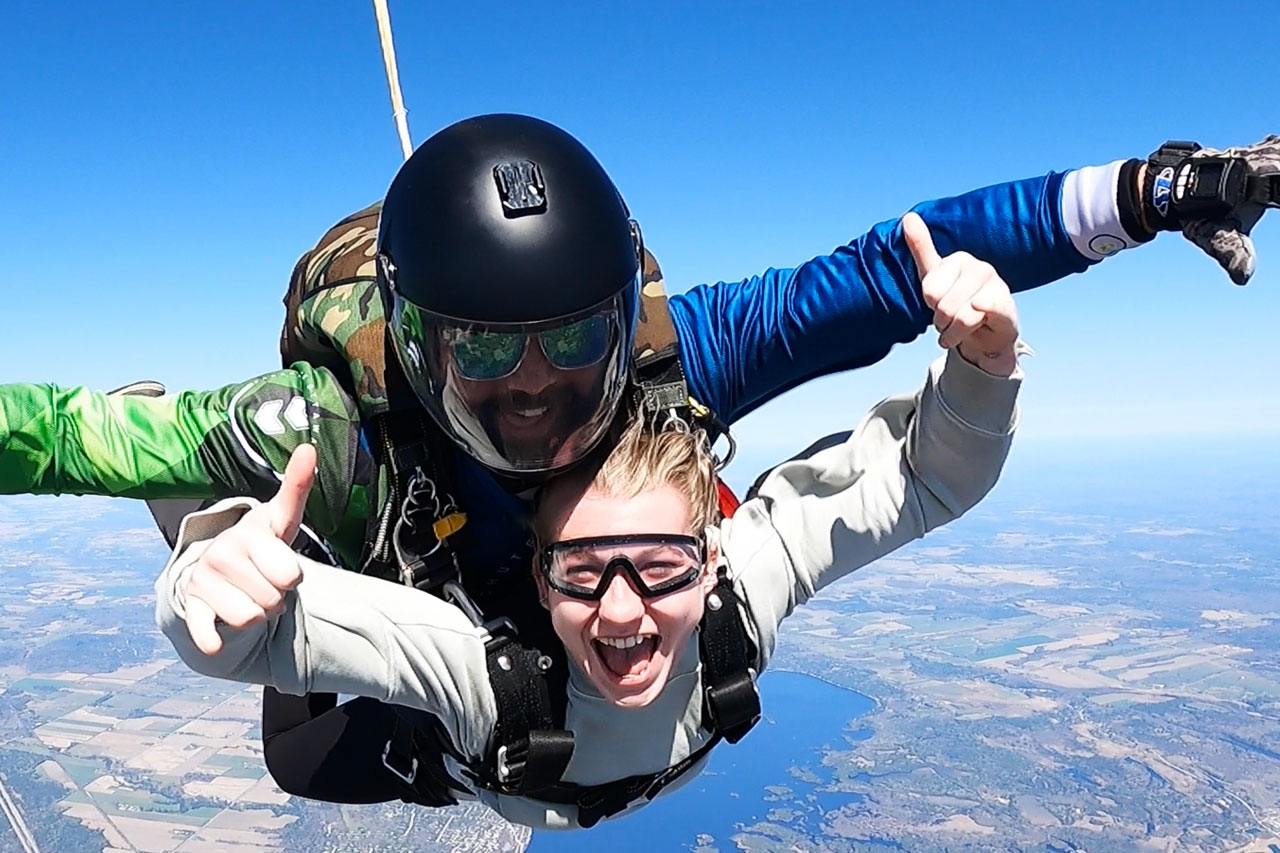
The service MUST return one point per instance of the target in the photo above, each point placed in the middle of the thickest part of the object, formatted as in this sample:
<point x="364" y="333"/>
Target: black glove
<point x="1213" y="197"/>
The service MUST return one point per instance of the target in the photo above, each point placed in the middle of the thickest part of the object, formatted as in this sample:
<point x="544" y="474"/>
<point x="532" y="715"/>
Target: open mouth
<point x="627" y="658"/>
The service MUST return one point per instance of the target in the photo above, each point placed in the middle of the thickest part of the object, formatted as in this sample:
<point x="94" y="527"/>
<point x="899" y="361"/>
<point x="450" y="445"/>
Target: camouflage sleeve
<point x="196" y="444"/>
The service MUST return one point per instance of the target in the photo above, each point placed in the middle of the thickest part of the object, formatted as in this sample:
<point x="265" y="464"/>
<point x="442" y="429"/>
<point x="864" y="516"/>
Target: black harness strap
<point x="428" y="515"/>
<point x="663" y="388"/>
<point x="657" y="371"/>
<point x="530" y="751"/>
<point x="398" y="754"/>
<point x="731" y="702"/>
<point x="596" y="802"/>
<point x="415" y="755"/>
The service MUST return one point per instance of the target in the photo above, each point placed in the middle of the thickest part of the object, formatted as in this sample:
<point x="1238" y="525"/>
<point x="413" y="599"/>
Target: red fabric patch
<point x="728" y="500"/>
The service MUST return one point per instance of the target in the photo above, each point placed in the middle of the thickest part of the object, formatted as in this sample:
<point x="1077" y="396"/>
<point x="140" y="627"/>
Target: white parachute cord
<point x="398" y="111"/>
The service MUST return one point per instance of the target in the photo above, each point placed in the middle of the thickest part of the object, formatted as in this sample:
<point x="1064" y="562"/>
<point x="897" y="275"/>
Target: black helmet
<point x="511" y="269"/>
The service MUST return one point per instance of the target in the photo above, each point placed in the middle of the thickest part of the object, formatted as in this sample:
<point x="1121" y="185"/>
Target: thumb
<point x="1225" y="242"/>
<point x="284" y="511"/>
<point x="920" y="243"/>
<point x="202" y="625"/>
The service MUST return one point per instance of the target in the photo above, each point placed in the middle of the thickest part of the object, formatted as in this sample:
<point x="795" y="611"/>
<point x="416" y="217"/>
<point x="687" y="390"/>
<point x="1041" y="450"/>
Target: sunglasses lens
<point x="579" y="344"/>
<point x="487" y="355"/>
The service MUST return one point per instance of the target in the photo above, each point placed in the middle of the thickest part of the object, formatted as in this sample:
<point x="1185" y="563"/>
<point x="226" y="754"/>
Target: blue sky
<point x="164" y="164"/>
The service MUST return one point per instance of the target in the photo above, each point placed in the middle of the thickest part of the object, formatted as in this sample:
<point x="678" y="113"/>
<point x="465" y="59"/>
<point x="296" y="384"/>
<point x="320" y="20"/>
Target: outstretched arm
<point x="230" y="441"/>
<point x="746" y="342"/>
<point x="914" y="463"/>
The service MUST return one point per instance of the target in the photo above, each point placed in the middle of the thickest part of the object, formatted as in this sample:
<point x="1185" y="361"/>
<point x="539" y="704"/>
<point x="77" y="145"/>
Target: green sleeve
<point x="196" y="444"/>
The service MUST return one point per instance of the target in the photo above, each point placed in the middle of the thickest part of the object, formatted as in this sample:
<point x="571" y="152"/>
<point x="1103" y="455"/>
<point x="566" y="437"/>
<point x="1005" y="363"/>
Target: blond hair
<point x="643" y="459"/>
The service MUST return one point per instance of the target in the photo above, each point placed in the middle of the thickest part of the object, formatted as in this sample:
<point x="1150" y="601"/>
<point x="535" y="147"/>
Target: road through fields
<point x="25" y="838"/>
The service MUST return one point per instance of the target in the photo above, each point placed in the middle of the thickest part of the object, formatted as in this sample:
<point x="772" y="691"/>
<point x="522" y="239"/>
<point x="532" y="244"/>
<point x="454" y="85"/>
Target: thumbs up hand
<point x="973" y="309"/>
<point x="242" y="576"/>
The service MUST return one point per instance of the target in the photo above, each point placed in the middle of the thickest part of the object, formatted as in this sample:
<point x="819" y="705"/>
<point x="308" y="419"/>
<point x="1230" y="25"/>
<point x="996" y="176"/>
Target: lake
<point x="803" y="718"/>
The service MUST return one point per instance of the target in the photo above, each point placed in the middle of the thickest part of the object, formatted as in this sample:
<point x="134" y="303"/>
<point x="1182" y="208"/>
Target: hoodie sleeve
<point x="340" y="632"/>
<point x="913" y="464"/>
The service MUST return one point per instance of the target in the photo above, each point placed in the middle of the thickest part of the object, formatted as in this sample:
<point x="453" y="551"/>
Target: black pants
<point x="315" y="748"/>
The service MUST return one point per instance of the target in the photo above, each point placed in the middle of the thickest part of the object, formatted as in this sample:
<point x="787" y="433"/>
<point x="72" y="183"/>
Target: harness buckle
<point x="405" y="776"/>
<point x="500" y="646"/>
<point x="500" y="630"/>
<point x="734" y="705"/>
<point x="503" y="768"/>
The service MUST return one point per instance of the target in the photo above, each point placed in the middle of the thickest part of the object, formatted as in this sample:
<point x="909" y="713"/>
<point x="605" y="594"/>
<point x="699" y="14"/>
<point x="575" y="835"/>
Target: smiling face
<point x="538" y="410"/>
<point x="624" y="643"/>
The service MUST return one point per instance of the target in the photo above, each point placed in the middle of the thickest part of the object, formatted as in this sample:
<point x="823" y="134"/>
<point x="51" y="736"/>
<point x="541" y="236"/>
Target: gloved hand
<point x="1226" y="239"/>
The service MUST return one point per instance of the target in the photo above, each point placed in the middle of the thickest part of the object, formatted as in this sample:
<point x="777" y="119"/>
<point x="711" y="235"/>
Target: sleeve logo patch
<point x="275" y="416"/>
<point x="1106" y="244"/>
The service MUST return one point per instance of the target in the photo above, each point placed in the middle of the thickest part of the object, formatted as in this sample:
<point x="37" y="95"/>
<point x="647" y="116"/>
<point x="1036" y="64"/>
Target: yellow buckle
<point x="449" y="525"/>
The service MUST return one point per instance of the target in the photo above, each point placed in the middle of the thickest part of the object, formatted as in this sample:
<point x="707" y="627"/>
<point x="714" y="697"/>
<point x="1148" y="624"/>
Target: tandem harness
<point x="527" y="666"/>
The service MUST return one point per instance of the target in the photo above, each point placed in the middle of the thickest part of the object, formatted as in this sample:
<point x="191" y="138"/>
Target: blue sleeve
<point x="746" y="342"/>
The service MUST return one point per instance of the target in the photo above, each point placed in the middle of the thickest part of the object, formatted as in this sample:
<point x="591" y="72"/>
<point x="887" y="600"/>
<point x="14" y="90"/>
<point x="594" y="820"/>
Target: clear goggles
<point x="656" y="563"/>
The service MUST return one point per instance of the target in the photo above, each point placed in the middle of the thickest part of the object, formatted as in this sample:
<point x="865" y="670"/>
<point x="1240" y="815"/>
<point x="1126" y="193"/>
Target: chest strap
<point x="731" y="702"/>
<point x="530" y="750"/>
<point x="596" y="802"/>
